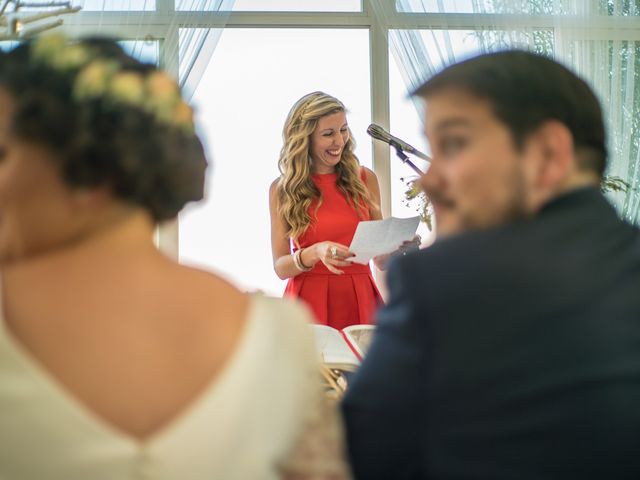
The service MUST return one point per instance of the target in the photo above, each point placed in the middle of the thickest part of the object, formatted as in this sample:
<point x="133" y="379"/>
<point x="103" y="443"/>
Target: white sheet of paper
<point x="377" y="237"/>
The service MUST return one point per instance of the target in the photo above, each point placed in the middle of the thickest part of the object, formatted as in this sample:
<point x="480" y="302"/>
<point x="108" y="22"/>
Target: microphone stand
<point x="426" y="210"/>
<point x="404" y="157"/>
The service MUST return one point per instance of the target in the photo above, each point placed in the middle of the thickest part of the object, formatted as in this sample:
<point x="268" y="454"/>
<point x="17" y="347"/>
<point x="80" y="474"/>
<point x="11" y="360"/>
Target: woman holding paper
<point x="316" y="204"/>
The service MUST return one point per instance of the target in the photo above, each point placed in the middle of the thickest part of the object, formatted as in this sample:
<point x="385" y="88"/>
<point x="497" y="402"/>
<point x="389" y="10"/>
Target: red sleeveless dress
<point x="336" y="300"/>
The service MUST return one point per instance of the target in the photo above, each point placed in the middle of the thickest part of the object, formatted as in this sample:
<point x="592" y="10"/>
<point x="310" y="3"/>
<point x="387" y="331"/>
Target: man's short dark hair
<point x="526" y="90"/>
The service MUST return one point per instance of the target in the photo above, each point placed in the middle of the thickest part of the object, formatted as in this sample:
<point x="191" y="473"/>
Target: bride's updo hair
<point x="109" y="119"/>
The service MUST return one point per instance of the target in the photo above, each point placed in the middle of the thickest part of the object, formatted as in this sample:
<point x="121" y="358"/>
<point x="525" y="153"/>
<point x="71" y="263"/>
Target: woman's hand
<point x="333" y="255"/>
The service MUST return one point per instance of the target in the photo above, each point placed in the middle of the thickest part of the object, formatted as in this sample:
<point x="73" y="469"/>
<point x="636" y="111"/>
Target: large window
<point x="251" y="82"/>
<point x="261" y="55"/>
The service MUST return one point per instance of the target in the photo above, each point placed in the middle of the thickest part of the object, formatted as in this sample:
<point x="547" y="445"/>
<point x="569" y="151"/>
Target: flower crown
<point x="155" y="93"/>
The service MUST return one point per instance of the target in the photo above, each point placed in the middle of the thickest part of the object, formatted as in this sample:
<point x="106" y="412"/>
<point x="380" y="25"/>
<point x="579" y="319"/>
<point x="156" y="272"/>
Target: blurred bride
<point x="115" y="361"/>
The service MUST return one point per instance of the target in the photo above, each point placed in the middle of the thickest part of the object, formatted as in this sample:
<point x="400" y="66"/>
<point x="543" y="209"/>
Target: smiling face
<point x="327" y="142"/>
<point x="478" y="178"/>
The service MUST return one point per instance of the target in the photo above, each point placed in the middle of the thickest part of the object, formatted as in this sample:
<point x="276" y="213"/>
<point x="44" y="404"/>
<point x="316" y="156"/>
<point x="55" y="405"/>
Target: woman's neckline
<point x="324" y="175"/>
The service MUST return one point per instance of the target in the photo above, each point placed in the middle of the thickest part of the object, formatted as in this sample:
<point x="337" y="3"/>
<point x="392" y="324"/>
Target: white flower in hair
<point x="55" y="51"/>
<point x="127" y="87"/>
<point x="71" y="58"/>
<point x="47" y="47"/>
<point x="164" y="95"/>
<point x="93" y="80"/>
<point x="162" y="88"/>
<point x="183" y="117"/>
<point x="97" y="78"/>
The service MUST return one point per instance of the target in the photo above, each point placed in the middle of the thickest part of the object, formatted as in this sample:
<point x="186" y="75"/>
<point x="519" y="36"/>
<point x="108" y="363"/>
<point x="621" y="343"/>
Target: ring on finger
<point x="334" y="251"/>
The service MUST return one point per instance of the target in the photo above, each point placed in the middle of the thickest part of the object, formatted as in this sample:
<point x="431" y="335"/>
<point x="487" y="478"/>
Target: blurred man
<point x="510" y="349"/>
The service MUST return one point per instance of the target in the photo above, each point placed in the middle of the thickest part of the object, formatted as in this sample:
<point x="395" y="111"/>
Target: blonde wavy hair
<point x="295" y="189"/>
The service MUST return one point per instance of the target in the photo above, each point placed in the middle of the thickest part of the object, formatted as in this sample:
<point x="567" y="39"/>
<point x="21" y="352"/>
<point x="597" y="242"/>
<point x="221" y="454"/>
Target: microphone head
<point x="376" y="131"/>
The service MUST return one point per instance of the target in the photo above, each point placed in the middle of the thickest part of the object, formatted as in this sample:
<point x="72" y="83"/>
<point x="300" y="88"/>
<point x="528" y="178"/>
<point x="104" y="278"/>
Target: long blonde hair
<point x="296" y="190"/>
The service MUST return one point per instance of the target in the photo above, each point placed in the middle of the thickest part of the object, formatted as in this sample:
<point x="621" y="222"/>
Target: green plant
<point x="614" y="184"/>
<point x="416" y="198"/>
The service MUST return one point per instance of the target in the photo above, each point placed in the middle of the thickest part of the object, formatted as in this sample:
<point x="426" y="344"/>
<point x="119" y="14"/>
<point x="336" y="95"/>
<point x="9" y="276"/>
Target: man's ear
<point x="557" y="157"/>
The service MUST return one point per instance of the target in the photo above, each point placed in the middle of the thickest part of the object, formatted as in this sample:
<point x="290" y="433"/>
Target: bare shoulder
<point x="273" y="193"/>
<point x="206" y="287"/>
<point x="212" y="312"/>
<point x="370" y="175"/>
<point x="224" y="310"/>
<point x="371" y="181"/>
<point x="273" y="188"/>
<point x="203" y="301"/>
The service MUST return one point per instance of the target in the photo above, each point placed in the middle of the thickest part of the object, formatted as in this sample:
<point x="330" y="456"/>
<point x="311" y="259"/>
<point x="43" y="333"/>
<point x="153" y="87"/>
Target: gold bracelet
<point x="298" y="263"/>
<point x="304" y="267"/>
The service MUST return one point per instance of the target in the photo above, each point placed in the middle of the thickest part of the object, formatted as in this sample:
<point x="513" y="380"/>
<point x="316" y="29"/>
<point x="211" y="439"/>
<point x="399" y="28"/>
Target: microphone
<point x="379" y="133"/>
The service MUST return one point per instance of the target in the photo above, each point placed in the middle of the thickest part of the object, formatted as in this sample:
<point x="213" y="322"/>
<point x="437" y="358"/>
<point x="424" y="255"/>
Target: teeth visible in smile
<point x="334" y="152"/>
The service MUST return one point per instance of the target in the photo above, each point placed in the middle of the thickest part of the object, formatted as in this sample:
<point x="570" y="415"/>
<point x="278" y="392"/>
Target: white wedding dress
<point x="262" y="416"/>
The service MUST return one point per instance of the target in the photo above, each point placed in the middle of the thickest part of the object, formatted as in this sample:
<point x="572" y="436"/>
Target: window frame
<point x="163" y="25"/>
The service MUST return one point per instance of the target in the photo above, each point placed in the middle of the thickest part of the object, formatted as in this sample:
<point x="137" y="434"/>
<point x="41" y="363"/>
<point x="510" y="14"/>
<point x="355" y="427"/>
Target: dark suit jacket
<point x="510" y="353"/>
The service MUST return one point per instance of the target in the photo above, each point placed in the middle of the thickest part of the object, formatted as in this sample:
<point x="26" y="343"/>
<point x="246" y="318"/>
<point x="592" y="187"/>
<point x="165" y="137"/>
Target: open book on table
<point x="343" y="349"/>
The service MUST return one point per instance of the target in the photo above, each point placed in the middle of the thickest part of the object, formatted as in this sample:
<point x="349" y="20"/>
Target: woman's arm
<point x="371" y="179"/>
<point x="283" y="261"/>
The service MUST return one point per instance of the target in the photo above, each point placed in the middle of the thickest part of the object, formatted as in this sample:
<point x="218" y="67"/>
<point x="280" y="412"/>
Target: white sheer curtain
<point x="186" y="48"/>
<point x="196" y="45"/>
<point x="612" y="67"/>
<point x="583" y="35"/>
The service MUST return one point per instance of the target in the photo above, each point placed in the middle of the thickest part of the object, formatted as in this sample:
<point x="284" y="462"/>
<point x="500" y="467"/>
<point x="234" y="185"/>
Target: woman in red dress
<point x="316" y="204"/>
